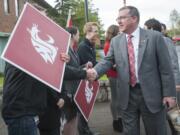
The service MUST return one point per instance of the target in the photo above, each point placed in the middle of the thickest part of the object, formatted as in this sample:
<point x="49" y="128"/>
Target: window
<point x="6" y="7"/>
<point x="17" y="7"/>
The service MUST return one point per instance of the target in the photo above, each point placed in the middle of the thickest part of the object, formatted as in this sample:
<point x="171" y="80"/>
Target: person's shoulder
<point x="118" y="36"/>
<point x="82" y="44"/>
<point x="11" y="67"/>
<point x="152" y="32"/>
<point x="168" y="41"/>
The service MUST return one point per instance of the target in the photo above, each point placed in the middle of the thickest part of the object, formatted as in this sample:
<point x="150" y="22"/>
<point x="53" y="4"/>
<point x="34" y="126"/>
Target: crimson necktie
<point x="131" y="61"/>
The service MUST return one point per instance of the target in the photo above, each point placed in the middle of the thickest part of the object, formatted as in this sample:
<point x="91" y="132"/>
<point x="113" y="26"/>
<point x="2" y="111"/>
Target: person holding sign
<point x="24" y="98"/>
<point x="87" y="53"/>
<point x="65" y="116"/>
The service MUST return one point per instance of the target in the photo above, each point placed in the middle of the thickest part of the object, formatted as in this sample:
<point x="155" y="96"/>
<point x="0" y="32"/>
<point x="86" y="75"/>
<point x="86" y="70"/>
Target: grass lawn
<point x="104" y="78"/>
<point x="1" y="81"/>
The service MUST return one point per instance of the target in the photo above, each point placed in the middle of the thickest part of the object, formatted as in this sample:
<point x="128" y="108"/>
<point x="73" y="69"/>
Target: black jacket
<point x="51" y="118"/>
<point x="22" y="94"/>
<point x="73" y="73"/>
<point x="86" y="52"/>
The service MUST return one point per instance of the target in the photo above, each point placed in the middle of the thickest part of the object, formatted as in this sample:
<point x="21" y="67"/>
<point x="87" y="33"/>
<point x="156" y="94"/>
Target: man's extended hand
<point x="91" y="74"/>
<point x="178" y="88"/>
<point x="169" y="101"/>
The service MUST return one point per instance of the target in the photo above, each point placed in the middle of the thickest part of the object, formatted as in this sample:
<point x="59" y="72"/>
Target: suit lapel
<point x="74" y="56"/>
<point x="123" y="48"/>
<point x="142" y="46"/>
<point x="123" y="52"/>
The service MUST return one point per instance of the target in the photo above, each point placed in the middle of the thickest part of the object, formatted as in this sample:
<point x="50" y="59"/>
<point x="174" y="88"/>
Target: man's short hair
<point x="153" y="24"/>
<point x="133" y="11"/>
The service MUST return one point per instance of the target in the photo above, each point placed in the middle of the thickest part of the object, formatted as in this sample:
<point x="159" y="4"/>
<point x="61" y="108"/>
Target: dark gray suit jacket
<point x="174" y="59"/>
<point x="154" y="68"/>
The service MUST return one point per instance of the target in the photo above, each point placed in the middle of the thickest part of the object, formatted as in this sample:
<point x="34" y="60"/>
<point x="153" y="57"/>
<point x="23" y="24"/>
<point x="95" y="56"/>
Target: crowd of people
<point x="141" y="65"/>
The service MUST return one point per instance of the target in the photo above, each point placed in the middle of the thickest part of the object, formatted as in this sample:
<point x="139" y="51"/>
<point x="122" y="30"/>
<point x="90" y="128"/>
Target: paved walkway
<point x="100" y="121"/>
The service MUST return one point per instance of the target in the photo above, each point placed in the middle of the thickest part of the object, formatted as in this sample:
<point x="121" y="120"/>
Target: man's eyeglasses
<point x="122" y="18"/>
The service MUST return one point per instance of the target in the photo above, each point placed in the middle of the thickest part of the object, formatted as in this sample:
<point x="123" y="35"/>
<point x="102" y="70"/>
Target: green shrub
<point x="1" y="81"/>
<point x="1" y="75"/>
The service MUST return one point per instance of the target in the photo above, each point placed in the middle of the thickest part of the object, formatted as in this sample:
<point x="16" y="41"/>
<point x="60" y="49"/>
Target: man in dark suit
<point x="154" y="24"/>
<point x="146" y="81"/>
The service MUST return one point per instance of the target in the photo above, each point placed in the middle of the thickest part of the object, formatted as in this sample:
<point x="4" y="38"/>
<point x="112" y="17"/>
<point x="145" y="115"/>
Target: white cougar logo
<point x="88" y="92"/>
<point x="45" y="48"/>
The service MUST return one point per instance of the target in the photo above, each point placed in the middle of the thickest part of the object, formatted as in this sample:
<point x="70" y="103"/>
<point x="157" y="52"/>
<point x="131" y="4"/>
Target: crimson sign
<point x="35" y="46"/>
<point x="85" y="97"/>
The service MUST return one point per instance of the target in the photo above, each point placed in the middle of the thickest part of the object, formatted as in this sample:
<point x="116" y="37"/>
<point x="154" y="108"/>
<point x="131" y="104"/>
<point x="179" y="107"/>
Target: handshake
<point x="91" y="73"/>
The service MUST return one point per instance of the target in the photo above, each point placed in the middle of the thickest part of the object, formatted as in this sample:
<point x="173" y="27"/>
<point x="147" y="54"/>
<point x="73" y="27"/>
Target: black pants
<point x="55" y="131"/>
<point x="83" y="127"/>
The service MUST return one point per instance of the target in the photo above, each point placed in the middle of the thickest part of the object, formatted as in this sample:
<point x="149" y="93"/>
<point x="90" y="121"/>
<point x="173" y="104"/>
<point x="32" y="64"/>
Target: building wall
<point x="3" y="40"/>
<point x="7" y="21"/>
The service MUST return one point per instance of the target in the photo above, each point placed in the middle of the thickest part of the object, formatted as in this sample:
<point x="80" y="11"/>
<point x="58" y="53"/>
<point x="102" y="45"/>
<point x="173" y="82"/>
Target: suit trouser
<point x="115" y="111"/>
<point x="154" y="123"/>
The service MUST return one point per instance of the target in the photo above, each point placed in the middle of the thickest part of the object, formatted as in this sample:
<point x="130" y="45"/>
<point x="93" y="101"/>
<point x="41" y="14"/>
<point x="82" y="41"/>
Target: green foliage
<point x="175" y="19"/>
<point x="175" y="22"/>
<point x="1" y="74"/>
<point x="1" y="81"/>
<point x="173" y="32"/>
<point x="174" y="15"/>
<point x="60" y="13"/>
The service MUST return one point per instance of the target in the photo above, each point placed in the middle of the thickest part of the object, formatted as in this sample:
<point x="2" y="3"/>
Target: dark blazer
<point x="154" y="68"/>
<point x="73" y="73"/>
<point x="50" y="119"/>
<point x="174" y="59"/>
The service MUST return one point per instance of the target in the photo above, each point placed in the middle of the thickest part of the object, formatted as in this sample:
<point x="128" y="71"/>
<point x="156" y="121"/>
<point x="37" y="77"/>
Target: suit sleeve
<point x="103" y="66"/>
<point x="174" y="60"/>
<point x="165" y="68"/>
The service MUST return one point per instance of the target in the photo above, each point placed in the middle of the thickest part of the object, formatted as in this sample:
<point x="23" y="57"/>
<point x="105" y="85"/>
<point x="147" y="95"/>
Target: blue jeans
<point x="25" y="125"/>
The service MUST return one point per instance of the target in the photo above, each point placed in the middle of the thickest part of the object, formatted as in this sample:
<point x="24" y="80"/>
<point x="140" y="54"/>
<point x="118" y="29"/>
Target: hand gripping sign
<point x="35" y="46"/>
<point x="85" y="97"/>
